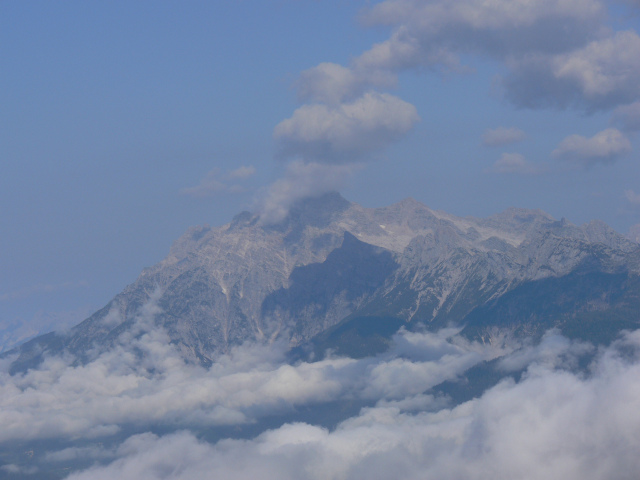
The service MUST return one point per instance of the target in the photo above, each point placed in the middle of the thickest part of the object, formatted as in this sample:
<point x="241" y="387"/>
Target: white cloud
<point x="551" y="424"/>
<point x="628" y="117"/>
<point x="347" y="132"/>
<point x="142" y="381"/>
<point x="216" y="182"/>
<point x="18" y="470"/>
<point x="603" y="74"/>
<point x="605" y="146"/>
<point x="242" y="172"/>
<point x="632" y="197"/>
<point x="301" y="180"/>
<point x="17" y="331"/>
<point x="608" y="68"/>
<point x="553" y="351"/>
<point x="502" y="136"/>
<point x="328" y="83"/>
<point x="400" y="52"/>
<point x="558" y="53"/>
<point x="499" y="28"/>
<point x="514" y="163"/>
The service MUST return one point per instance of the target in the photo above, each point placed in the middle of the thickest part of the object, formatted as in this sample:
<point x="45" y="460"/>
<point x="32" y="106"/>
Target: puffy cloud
<point x="514" y="163"/>
<point x="628" y="117"/>
<point x="558" y="53"/>
<point x="551" y="424"/>
<point x="502" y="136"/>
<point x="329" y="83"/>
<point x="604" y="67"/>
<point x="347" y="132"/>
<point x="403" y="51"/>
<point x="216" y="182"/>
<point x="603" y="74"/>
<point x="498" y="28"/>
<point x="605" y="147"/>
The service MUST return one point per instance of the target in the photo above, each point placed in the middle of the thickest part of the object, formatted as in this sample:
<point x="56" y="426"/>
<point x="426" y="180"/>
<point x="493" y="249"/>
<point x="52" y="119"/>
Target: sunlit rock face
<point x="332" y="262"/>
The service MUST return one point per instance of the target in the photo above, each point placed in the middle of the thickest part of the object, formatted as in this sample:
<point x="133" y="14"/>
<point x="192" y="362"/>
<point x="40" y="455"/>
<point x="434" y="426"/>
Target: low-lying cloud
<point x="143" y="381"/>
<point x="550" y="424"/>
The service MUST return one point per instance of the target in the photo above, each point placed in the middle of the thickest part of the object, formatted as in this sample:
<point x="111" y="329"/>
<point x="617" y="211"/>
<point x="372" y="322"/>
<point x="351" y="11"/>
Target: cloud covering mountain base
<point x="556" y="421"/>
<point x="552" y="424"/>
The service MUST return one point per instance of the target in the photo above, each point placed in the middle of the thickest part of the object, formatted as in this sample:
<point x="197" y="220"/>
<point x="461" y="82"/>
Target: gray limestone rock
<point x="330" y="260"/>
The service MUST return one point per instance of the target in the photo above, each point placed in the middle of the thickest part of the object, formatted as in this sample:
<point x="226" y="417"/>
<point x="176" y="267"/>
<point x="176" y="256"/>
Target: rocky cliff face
<point x="331" y="260"/>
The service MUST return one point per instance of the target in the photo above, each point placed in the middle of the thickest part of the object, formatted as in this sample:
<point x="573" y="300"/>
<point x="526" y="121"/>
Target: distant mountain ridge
<point x="331" y="262"/>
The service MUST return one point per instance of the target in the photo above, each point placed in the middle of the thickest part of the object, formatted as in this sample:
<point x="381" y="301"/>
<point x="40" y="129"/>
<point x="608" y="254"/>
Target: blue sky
<point x="124" y="123"/>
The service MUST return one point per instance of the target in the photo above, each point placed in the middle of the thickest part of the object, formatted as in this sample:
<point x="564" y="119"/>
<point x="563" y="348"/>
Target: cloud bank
<point x="143" y="381"/>
<point x="551" y="424"/>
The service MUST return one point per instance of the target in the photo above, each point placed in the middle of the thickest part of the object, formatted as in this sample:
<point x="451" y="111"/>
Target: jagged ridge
<point x="331" y="261"/>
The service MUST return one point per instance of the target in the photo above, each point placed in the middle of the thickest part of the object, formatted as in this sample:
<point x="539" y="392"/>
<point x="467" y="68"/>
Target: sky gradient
<point x="125" y="123"/>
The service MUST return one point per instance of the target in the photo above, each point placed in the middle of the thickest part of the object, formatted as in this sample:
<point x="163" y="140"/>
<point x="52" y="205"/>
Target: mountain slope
<point x="331" y="262"/>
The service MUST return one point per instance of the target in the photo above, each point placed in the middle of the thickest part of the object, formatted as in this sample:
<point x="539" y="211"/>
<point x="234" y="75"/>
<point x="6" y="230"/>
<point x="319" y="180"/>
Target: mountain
<point x="337" y="275"/>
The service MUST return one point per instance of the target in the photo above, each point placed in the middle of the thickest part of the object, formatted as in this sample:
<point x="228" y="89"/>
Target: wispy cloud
<point x="217" y="182"/>
<point x="628" y="117"/>
<point x="632" y="197"/>
<point x="514" y="163"/>
<point x="143" y="380"/>
<point x="502" y="136"/>
<point x="16" y="331"/>
<point x="301" y="180"/>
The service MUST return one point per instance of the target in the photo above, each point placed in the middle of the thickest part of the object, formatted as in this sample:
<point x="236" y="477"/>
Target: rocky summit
<point x="334" y="274"/>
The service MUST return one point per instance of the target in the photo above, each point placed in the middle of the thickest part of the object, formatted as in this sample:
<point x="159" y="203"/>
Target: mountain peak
<point x="318" y="211"/>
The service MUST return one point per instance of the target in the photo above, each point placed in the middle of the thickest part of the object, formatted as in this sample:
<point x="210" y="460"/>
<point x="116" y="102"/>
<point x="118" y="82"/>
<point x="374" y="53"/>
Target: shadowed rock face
<point x="331" y="261"/>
